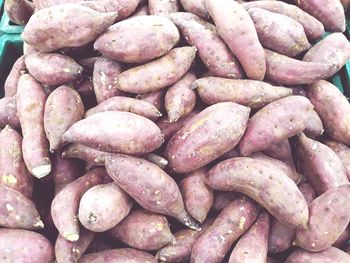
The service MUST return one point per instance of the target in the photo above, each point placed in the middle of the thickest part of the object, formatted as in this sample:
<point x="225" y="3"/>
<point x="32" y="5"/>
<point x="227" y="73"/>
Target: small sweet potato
<point x="207" y="136"/>
<point x="251" y="93"/>
<point x="162" y="7"/>
<point x="276" y="122"/>
<point x="231" y="223"/>
<point x="8" y="113"/>
<point x="103" y="206"/>
<point x="314" y="126"/>
<point x="328" y="255"/>
<point x="156" y="98"/>
<point x="159" y="73"/>
<point x="222" y="199"/>
<point x="19" y="11"/>
<point x="342" y="151"/>
<point x="197" y="7"/>
<point x="11" y="82"/>
<point x="265" y="183"/>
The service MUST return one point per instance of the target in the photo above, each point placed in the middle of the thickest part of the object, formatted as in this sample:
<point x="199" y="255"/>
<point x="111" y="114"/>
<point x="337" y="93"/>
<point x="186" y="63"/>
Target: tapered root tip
<point x="191" y="223"/>
<point x="39" y="224"/>
<point x="71" y="236"/>
<point x="41" y="171"/>
<point x="160" y="257"/>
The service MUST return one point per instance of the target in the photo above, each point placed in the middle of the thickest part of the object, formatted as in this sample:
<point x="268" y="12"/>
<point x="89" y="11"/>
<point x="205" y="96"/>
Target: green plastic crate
<point x="6" y="26"/>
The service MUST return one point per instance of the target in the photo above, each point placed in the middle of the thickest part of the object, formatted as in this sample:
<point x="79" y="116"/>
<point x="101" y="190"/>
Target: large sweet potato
<point x="8" y="113"/>
<point x="314" y="126"/>
<point x="162" y="7"/>
<point x="342" y="151"/>
<point x="329" y="255"/>
<point x="19" y="11"/>
<point x="12" y="79"/>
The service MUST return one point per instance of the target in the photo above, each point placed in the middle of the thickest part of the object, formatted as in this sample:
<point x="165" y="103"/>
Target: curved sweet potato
<point x="8" y="113"/>
<point x="162" y="7"/>
<point x="197" y="7"/>
<point x="328" y="255"/>
<point x="19" y="11"/>
<point x="314" y="126"/>
<point x="11" y="82"/>
<point x="222" y="199"/>
<point x="65" y="171"/>
<point x="156" y="98"/>
<point x="342" y="151"/>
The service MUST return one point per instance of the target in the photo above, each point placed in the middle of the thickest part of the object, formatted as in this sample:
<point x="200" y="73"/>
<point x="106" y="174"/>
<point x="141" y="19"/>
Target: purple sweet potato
<point x="329" y="218"/>
<point x="71" y="252"/>
<point x="197" y="7"/>
<point x="250" y="93"/>
<point x="65" y="171"/>
<point x="138" y="39"/>
<point x="31" y="99"/>
<point x="265" y="183"/>
<point x="116" y="131"/>
<point x="88" y="63"/>
<point x="157" y="160"/>
<point x="149" y="186"/>
<point x="343" y="238"/>
<point x="63" y="108"/>
<point x="19" y="11"/>
<point x="13" y="172"/>
<point x="308" y="192"/>
<point x="314" y="126"/>
<point x="103" y="206"/>
<point x="18" y="245"/>
<point x="320" y="165"/>
<point x="8" y="113"/>
<point x="276" y="122"/>
<point x="222" y="199"/>
<point x="118" y="103"/>
<point x="156" y="98"/>
<point x="143" y="230"/>
<point x="252" y="246"/>
<point x="52" y="68"/>
<point x="142" y="10"/>
<point x="329" y="255"/>
<point x="231" y="154"/>
<point x="231" y="223"/>
<point x="162" y="7"/>
<point x="330" y="13"/>
<point x="40" y="4"/>
<point x="66" y="217"/>
<point x="212" y="50"/>
<point x="159" y="73"/>
<point x="342" y="151"/>
<point x="122" y="255"/>
<point x="180" y="99"/>
<point x="207" y="136"/>
<point x="11" y="82"/>
<point x="198" y="197"/>
<point x="233" y="20"/>
<point x="48" y="28"/>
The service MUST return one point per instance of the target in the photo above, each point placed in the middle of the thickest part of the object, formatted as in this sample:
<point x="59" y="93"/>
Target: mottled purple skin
<point x="308" y="192"/>
<point x="342" y="151"/>
<point x="13" y="172"/>
<point x="222" y="199"/>
<point x="66" y="217"/>
<point x="138" y="39"/>
<point x="105" y="74"/>
<point x="266" y="184"/>
<point x="335" y="49"/>
<point x="207" y="136"/>
<point x="159" y="73"/>
<point x="333" y="108"/>
<point x="289" y="71"/>
<point x="63" y="108"/>
<point x="180" y="251"/>
<point x="65" y="171"/>
<point x="88" y="63"/>
<point x="314" y="126"/>
<point x="275" y="122"/>
<point x="157" y="160"/>
<point x="8" y="113"/>
<point x="142" y="10"/>
<point x="330" y="13"/>
<point x="329" y="218"/>
<point x="154" y="228"/>
<point x="162" y="7"/>
<point x="122" y="255"/>
<point x="52" y="68"/>
<point x="12" y="79"/>
<point x="212" y="50"/>
<point x="149" y="186"/>
<point x="156" y="98"/>
<point x="18" y="245"/>
<point x="19" y="11"/>
<point x="329" y="255"/>
<point x="343" y="238"/>
<point x="118" y="103"/>
<point x="197" y="7"/>
<point x="31" y="99"/>
<point x="85" y="88"/>
<point x="313" y="28"/>
<point x="48" y="28"/>
<point x="298" y="90"/>
<point x="320" y="165"/>
<point x="71" y="252"/>
<point x="270" y="29"/>
<point x="180" y="99"/>
<point x="230" y="224"/>
<point x="252" y="246"/>
<point x="251" y="93"/>
<point x="198" y="197"/>
<point x="240" y="24"/>
<point x="104" y="206"/>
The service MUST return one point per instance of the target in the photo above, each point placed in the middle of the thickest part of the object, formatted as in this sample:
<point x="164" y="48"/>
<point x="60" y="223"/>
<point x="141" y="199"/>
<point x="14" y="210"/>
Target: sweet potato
<point x="122" y="255"/>
<point x="8" y="113"/>
<point x="28" y="49"/>
<point x="88" y="63"/>
<point x="180" y="100"/>
<point x="18" y="245"/>
<point x="71" y="252"/>
<point x="48" y="28"/>
<point x="320" y="165"/>
<point x="159" y="73"/>
<point x="19" y="11"/>
<point x="138" y="39"/>
<point x="157" y="160"/>
<point x="197" y="7"/>
<point x="196" y="144"/>
<point x="222" y="199"/>
<point x="65" y="217"/>
<point x="333" y="108"/>
<point x="156" y="98"/>
<point x="252" y="246"/>
<point x="342" y="151"/>
<point x="162" y="7"/>
<point x="119" y="103"/>
<point x="314" y="126"/>
<point x="12" y="79"/>
<point x="154" y="228"/>
<point x="343" y="238"/>
<point x="13" y="172"/>
<point x="289" y="71"/>
<point x="265" y="183"/>
<point x="328" y="255"/>
<point x="31" y="100"/>
<point x="40" y="4"/>
<point x="330" y="13"/>
<point x="251" y="93"/>
<point x="149" y="186"/>
<point x="328" y="220"/>
<point x="65" y="171"/>
<point x="276" y="122"/>
<point x="231" y="154"/>
<point x="240" y="35"/>
<point x="345" y="4"/>
<point x="231" y="223"/>
<point x="103" y="206"/>
<point x="212" y="50"/>
<point x="142" y="10"/>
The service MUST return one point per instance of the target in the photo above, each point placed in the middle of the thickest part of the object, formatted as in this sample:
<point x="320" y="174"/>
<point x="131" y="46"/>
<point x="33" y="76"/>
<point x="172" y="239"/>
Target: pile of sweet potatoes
<point x="199" y="131"/>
